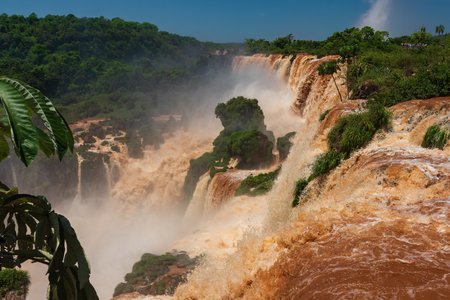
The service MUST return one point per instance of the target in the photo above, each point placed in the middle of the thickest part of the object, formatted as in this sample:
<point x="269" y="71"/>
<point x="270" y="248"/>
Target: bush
<point x="152" y="275"/>
<point x="435" y="137"/>
<point x="154" y="263"/>
<point x="252" y="147"/>
<point x="12" y="280"/>
<point x="300" y="185"/>
<point x="323" y="115"/>
<point x="427" y="82"/>
<point x="325" y="163"/>
<point x="244" y="136"/>
<point x="257" y="185"/>
<point x="123" y="288"/>
<point x="284" y="145"/>
<point x="356" y="130"/>
<point x="240" y="113"/>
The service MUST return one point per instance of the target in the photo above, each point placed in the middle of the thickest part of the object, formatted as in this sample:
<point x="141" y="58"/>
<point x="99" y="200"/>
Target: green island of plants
<point x="151" y="275"/>
<point x="244" y="137"/>
<point x="257" y="185"/>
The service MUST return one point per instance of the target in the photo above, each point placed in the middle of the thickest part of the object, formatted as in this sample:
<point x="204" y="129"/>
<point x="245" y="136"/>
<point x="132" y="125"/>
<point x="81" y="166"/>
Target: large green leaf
<point x="55" y="123"/>
<point x="23" y="132"/>
<point x="20" y="100"/>
<point x="75" y="252"/>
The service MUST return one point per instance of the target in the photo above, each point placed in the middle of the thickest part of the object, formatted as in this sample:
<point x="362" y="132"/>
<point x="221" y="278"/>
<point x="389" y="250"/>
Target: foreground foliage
<point x="436" y="137"/>
<point x="29" y="229"/>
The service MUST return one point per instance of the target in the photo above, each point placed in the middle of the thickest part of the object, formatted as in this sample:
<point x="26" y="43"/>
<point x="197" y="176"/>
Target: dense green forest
<point x="100" y="67"/>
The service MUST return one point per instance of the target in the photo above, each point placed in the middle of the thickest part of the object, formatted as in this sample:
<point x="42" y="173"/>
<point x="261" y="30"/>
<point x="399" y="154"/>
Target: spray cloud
<point x="377" y="16"/>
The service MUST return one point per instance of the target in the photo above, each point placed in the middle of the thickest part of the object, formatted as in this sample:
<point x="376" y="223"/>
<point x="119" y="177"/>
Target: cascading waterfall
<point x="79" y="163"/>
<point x="384" y="211"/>
<point x="108" y="175"/>
<point x="196" y="206"/>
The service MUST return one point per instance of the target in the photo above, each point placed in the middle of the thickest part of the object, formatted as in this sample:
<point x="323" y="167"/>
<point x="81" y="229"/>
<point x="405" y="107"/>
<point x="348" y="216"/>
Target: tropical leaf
<point x="45" y="143"/>
<point x="20" y="101"/>
<point x="23" y="132"/>
<point x="55" y="123"/>
<point x="30" y="229"/>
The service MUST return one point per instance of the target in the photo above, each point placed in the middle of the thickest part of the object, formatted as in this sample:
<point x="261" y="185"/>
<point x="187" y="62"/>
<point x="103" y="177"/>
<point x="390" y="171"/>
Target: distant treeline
<point x="359" y="38"/>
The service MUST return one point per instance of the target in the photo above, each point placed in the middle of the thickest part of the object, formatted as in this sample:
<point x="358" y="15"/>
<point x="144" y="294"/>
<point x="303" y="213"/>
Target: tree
<point x="29" y="229"/>
<point x="440" y="29"/>
<point x="329" y="68"/>
<point x="421" y="37"/>
<point x="347" y="54"/>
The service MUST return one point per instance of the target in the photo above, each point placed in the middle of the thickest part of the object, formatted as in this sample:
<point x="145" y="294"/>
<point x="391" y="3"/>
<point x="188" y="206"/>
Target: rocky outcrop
<point x="157" y="274"/>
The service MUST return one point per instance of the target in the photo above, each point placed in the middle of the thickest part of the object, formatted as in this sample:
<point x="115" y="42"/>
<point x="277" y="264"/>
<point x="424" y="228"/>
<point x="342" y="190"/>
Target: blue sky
<point x="233" y="20"/>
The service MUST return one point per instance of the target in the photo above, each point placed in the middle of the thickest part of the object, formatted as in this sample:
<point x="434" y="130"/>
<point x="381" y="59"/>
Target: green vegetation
<point x="96" y="67"/>
<point x="358" y="39"/>
<point x="257" y="185"/>
<point x="244" y="137"/>
<point x="252" y="147"/>
<point x="389" y="70"/>
<point x="13" y="280"/>
<point x="350" y="133"/>
<point x="325" y="163"/>
<point x="440" y="29"/>
<point x="284" y="145"/>
<point x="323" y="115"/>
<point x="29" y="228"/>
<point x="436" y="137"/>
<point x="329" y="68"/>
<point x="240" y="113"/>
<point x="355" y="130"/>
<point x="300" y="185"/>
<point x="151" y="275"/>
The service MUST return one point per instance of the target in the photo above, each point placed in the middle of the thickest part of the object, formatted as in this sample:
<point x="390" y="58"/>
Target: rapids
<point x="375" y="227"/>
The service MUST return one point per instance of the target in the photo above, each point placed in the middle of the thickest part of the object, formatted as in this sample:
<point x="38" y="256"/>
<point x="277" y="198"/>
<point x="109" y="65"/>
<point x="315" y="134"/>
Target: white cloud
<point x="377" y="16"/>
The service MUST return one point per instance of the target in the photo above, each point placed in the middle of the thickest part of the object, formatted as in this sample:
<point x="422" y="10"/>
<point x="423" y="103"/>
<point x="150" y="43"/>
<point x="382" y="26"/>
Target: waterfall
<point x="80" y="162"/>
<point x="108" y="175"/>
<point x="385" y="208"/>
<point x="196" y="206"/>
